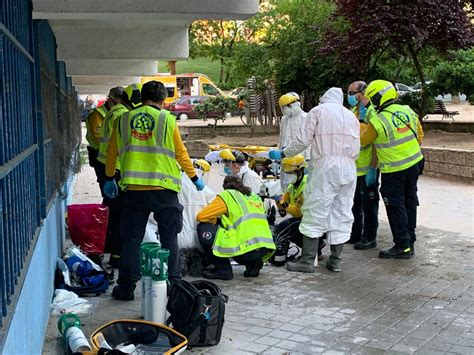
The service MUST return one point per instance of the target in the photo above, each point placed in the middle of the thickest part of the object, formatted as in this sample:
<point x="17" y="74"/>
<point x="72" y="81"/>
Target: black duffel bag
<point x="197" y="311"/>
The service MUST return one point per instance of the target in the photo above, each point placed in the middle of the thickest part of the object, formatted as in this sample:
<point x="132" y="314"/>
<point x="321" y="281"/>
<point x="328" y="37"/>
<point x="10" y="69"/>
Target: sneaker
<point x="364" y="244"/>
<point x="396" y="253"/>
<point x="123" y="295"/>
<point x="217" y="274"/>
<point x="253" y="270"/>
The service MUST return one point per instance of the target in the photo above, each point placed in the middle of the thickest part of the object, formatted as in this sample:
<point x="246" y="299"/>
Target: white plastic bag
<point x="68" y="302"/>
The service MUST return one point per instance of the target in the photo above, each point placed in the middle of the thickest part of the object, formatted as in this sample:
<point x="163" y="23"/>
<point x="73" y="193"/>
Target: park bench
<point x="440" y="109"/>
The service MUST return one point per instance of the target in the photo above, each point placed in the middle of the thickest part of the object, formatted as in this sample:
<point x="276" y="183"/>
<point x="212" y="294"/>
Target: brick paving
<point x="424" y="305"/>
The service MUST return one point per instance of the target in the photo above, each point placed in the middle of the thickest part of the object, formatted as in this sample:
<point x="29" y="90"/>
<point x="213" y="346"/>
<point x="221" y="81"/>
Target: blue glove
<point x="371" y="177"/>
<point x="275" y="154"/>
<point x="199" y="183"/>
<point x="111" y="189"/>
<point x="277" y="198"/>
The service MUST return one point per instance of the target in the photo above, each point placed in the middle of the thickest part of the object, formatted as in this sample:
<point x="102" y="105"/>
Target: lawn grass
<point x="197" y="65"/>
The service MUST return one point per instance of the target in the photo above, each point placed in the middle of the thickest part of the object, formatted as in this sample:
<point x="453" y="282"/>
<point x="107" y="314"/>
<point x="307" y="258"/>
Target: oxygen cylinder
<point x="69" y="326"/>
<point x="158" y="291"/>
<point x="145" y="305"/>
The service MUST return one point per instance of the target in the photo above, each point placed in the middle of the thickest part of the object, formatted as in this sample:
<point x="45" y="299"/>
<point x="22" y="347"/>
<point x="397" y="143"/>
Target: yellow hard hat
<point x="232" y="155"/>
<point x="286" y="99"/>
<point x="381" y="93"/>
<point x="133" y="92"/>
<point x="292" y="164"/>
<point x="202" y="165"/>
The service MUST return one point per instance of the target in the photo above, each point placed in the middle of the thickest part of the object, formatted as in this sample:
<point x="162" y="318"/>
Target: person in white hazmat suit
<point x="290" y="125"/>
<point x="333" y="133"/>
<point x="234" y="162"/>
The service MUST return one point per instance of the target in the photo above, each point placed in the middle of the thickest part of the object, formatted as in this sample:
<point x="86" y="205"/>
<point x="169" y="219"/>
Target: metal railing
<point x="39" y="134"/>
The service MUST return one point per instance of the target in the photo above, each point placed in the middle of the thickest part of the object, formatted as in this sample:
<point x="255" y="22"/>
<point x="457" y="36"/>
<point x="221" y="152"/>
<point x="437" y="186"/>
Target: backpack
<point x="197" y="311"/>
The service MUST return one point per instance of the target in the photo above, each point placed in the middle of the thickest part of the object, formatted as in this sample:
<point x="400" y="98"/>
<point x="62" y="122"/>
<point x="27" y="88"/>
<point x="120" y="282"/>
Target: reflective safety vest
<point x="294" y="193"/>
<point x="245" y="228"/>
<point x="102" y="110"/>
<point x="365" y="153"/>
<point x="146" y="149"/>
<point x="396" y="143"/>
<point x="107" y="129"/>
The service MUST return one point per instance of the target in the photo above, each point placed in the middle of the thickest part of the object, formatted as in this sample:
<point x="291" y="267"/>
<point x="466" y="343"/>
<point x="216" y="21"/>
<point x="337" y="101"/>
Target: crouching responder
<point x="151" y="148"/>
<point x="396" y="134"/>
<point x="288" y="230"/>
<point x="234" y="225"/>
<point x="94" y="122"/>
<point x="129" y="100"/>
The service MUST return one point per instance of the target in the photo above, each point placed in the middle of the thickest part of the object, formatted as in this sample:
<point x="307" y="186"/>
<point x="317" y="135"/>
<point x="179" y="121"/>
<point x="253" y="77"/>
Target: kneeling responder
<point x="150" y="148"/>
<point x="242" y="231"/>
<point x="396" y="133"/>
<point x="288" y="230"/>
<point x="129" y="100"/>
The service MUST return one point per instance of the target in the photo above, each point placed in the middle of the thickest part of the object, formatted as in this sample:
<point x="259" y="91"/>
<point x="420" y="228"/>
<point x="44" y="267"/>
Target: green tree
<point x="216" y="108"/>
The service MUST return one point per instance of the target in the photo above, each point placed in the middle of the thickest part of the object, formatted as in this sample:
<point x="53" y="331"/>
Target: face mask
<point x="362" y="112"/>
<point x="227" y="170"/>
<point x="295" y="108"/>
<point x="351" y="99"/>
<point x="286" y="111"/>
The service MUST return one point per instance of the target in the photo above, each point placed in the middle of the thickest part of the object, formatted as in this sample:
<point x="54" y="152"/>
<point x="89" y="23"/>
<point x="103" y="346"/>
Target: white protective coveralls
<point x="333" y="133"/>
<point x="249" y="177"/>
<point x="290" y="126"/>
<point x="193" y="201"/>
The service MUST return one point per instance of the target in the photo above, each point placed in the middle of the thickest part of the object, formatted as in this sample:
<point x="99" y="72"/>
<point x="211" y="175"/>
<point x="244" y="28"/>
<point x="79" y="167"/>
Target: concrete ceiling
<point x="105" y="42"/>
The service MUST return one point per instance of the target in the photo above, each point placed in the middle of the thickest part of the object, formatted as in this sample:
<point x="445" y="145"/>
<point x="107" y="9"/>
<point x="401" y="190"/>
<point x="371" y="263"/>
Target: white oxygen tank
<point x="158" y="299"/>
<point x="145" y="305"/>
<point x="76" y="340"/>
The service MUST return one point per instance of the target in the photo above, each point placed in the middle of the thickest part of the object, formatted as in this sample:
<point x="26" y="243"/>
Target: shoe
<point x="308" y="253"/>
<point x="365" y="244"/>
<point x="335" y="258"/>
<point x="114" y="261"/>
<point x="253" y="270"/>
<point x="123" y="295"/>
<point x="396" y="253"/>
<point x="214" y="274"/>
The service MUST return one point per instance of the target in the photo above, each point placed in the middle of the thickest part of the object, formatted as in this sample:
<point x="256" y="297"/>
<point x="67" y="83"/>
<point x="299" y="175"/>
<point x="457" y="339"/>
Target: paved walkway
<point x="423" y="305"/>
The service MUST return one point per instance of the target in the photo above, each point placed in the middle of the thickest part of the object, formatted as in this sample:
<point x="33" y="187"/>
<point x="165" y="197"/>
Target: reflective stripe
<point x="387" y="126"/>
<point x="224" y="250"/>
<point x="160" y="130"/>
<point x="396" y="142"/>
<point x="365" y="147"/>
<point x="240" y="201"/>
<point x="146" y="149"/>
<point x="364" y="169"/>
<point x="124" y="128"/>
<point x="401" y="162"/>
<point x="154" y="176"/>
<point x="234" y="250"/>
<point x="248" y="217"/>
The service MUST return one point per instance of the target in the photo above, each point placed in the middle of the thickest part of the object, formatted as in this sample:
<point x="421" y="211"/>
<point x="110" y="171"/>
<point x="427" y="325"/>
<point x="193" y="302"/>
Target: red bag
<point x="88" y="226"/>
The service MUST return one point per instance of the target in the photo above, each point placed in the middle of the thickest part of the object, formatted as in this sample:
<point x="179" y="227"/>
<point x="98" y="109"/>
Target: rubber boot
<point x="335" y="258"/>
<point x="306" y="261"/>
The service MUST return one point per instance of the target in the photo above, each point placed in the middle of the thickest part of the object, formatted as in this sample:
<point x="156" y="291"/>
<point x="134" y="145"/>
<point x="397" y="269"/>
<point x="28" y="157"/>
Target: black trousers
<point x="207" y="234"/>
<point x="365" y="211"/>
<point x="399" y="193"/>
<point x="93" y="162"/>
<point x="113" y="242"/>
<point x="168" y="213"/>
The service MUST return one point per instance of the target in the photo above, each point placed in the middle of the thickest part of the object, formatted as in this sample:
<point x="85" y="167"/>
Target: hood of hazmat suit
<point x="332" y="131"/>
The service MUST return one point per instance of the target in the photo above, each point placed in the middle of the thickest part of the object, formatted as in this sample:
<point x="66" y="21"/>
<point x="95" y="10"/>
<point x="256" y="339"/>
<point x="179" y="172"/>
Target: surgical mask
<point x="286" y="111"/>
<point x="352" y="100"/>
<point x="228" y="171"/>
<point x="362" y="112"/>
